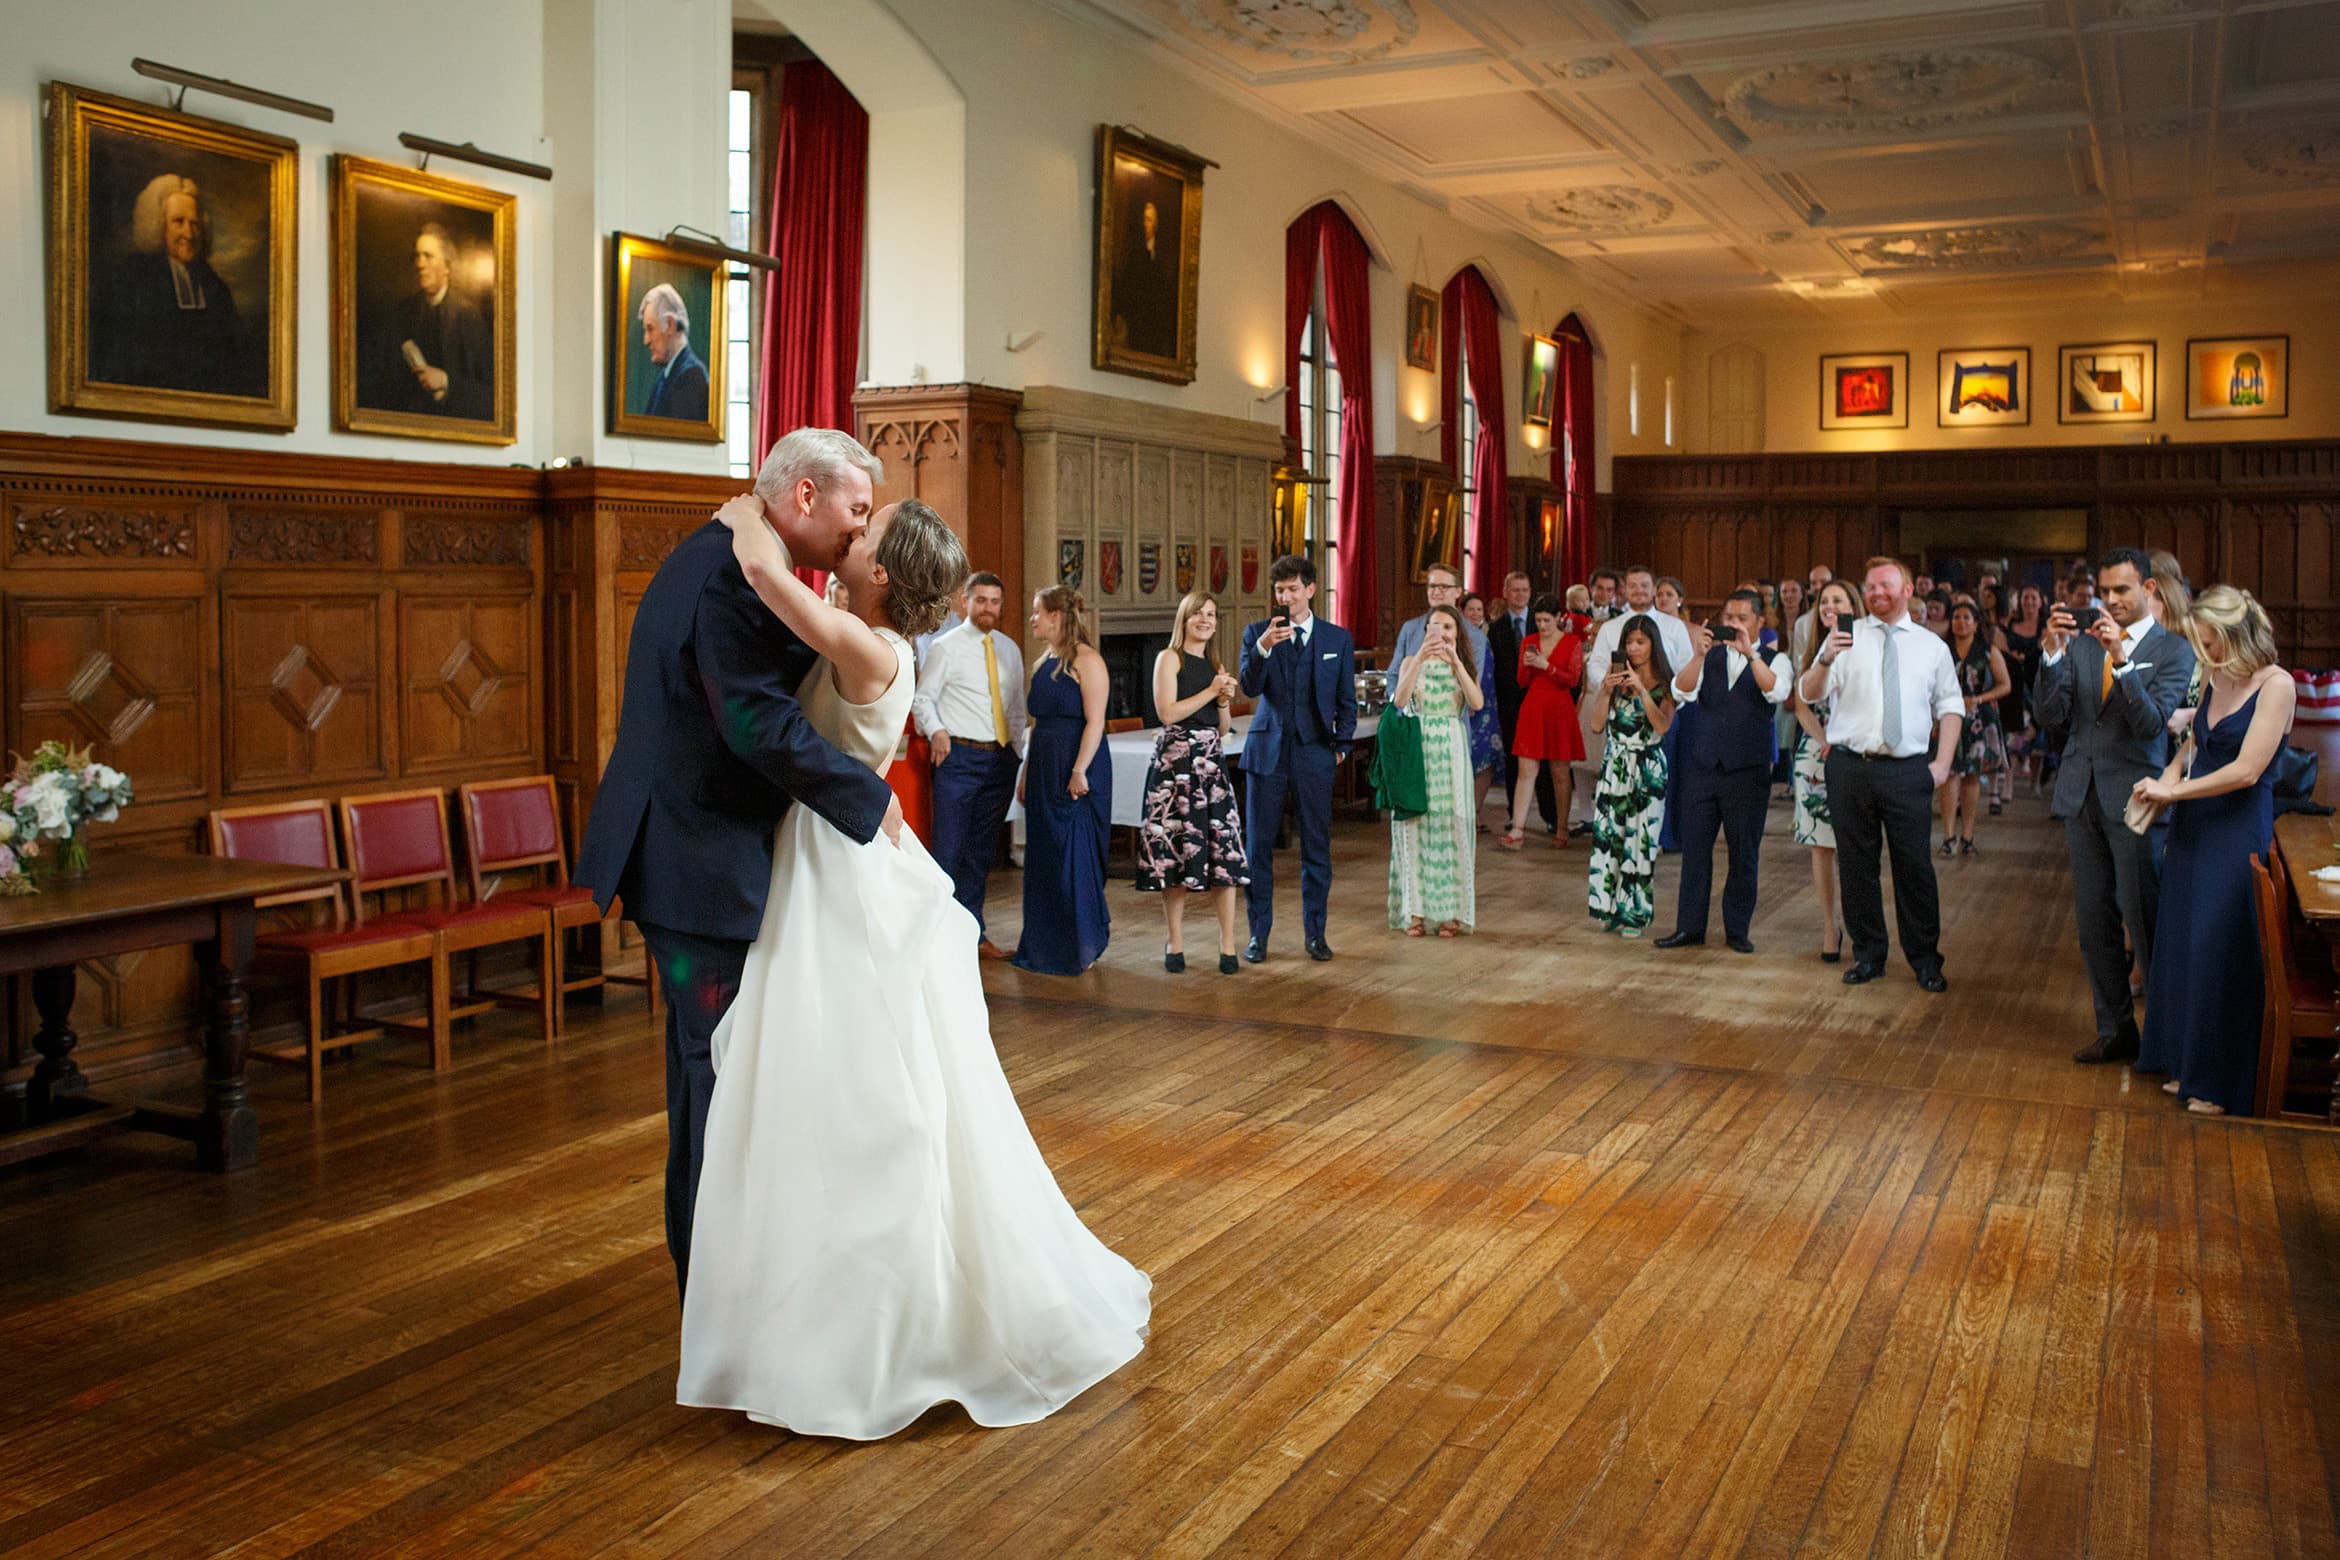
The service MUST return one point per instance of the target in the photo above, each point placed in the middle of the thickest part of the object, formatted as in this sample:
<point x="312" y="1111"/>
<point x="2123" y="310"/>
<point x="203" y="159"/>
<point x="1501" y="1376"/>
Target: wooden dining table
<point x="132" y="901"/>
<point x="2308" y="843"/>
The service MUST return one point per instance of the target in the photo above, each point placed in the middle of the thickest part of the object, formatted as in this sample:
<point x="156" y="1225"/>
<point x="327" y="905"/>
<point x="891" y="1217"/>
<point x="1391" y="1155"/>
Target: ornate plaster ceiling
<point x="1735" y="159"/>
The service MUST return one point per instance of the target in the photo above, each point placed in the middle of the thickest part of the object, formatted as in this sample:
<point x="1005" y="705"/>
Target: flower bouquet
<point x="43" y="807"/>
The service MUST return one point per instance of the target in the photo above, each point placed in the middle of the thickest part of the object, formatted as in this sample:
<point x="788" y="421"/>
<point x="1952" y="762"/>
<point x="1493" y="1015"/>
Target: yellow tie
<point x="998" y="705"/>
<point x="2104" y="692"/>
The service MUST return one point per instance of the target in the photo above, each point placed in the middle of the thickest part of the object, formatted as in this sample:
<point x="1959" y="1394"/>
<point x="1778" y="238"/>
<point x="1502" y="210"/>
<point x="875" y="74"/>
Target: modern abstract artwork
<point x="1983" y="387"/>
<point x="1864" y="390"/>
<point x="2238" y="376"/>
<point x="2105" y="382"/>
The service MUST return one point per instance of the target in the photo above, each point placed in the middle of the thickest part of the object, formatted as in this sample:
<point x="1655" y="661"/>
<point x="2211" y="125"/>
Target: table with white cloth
<point x="1133" y="754"/>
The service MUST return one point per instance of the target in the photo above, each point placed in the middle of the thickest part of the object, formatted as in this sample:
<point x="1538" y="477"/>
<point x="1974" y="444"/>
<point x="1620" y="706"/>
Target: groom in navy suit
<point x="1303" y="672"/>
<point x="711" y="749"/>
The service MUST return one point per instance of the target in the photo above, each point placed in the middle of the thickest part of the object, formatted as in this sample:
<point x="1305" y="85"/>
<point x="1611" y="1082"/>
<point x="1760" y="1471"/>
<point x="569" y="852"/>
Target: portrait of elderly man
<point x="167" y="320"/>
<point x="679" y="388"/>
<point x="434" y="353"/>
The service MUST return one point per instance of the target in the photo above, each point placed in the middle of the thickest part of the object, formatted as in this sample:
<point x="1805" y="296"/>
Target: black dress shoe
<point x="1319" y="949"/>
<point x="1175" y="963"/>
<point x="1864" y="971"/>
<point x="1680" y="940"/>
<point x="1227" y="964"/>
<point x="1739" y="945"/>
<point x="1255" y="951"/>
<point x="2120" y="1049"/>
<point x="1932" y="979"/>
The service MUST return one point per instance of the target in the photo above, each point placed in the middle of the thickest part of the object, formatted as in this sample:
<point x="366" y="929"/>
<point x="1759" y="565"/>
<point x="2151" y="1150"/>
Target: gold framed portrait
<point x="1437" y="528"/>
<point x="1421" y="328"/>
<point x="667" y="335"/>
<point x="423" y="305"/>
<point x="1288" y="518"/>
<point x="1149" y="255"/>
<point x="173" y="245"/>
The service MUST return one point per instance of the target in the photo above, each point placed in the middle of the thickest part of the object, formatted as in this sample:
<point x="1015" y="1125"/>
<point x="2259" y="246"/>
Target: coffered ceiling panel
<point x="1726" y="159"/>
<point x="1458" y="131"/>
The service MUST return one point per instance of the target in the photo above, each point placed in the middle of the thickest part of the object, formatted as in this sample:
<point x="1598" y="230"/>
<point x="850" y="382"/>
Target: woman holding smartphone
<point x="1550" y="663"/>
<point x="1833" y="607"/>
<point x="1633" y="704"/>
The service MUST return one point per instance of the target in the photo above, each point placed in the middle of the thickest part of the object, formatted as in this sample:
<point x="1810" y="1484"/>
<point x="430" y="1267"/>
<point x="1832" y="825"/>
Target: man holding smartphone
<point x="1303" y="672"/>
<point x="1724" y="773"/>
<point x="2110" y="681"/>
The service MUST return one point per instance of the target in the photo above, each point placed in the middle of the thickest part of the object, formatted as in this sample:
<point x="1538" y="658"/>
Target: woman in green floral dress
<point x="1835" y="606"/>
<point x="1634" y="705"/>
<point x="1433" y="876"/>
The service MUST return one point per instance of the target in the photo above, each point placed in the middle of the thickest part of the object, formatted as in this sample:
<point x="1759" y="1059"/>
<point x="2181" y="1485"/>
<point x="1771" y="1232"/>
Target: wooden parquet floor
<point x="1533" y="1243"/>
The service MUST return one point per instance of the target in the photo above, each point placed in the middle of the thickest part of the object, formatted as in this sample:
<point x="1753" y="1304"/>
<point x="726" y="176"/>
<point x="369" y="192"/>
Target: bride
<point x="876" y="1231"/>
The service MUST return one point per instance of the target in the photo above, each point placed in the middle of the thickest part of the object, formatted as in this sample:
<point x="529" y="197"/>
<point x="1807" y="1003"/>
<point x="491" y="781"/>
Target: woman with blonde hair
<point x="1190" y="835"/>
<point x="1433" y="881"/>
<point x="2172" y="604"/>
<point x="1067" y="792"/>
<point x="2205" y="989"/>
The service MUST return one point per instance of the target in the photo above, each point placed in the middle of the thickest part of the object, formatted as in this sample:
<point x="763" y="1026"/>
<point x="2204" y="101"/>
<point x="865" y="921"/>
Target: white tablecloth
<point x="1133" y="752"/>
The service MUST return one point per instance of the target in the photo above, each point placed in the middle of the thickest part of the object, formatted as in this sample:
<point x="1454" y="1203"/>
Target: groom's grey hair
<point x="823" y="454"/>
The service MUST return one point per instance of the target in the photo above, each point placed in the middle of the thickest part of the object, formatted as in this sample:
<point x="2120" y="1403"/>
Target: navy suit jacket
<point x="711" y="749"/>
<point x="682" y="392"/>
<point x="1325" y="671"/>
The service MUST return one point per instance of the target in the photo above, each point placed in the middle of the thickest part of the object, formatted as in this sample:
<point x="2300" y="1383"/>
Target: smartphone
<point x="1280" y="618"/>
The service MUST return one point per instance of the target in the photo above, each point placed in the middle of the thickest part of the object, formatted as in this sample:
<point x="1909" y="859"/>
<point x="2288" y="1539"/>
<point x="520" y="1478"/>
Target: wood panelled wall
<point x="2259" y="515"/>
<point x="233" y="627"/>
<point x="956" y="448"/>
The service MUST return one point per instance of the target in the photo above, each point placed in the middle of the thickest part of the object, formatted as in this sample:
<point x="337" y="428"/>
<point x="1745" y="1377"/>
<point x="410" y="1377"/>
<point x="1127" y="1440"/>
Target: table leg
<point x="227" y="1136"/>
<point x="57" y="1077"/>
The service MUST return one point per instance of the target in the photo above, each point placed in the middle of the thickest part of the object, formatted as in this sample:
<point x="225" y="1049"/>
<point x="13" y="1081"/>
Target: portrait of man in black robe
<point x="1146" y="260"/>
<point x="162" y="317"/>
<point x="431" y="351"/>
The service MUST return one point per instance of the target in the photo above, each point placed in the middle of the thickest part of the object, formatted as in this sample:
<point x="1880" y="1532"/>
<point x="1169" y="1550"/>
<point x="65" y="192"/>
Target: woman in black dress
<point x="1190" y="835"/>
<point x="2022" y="629"/>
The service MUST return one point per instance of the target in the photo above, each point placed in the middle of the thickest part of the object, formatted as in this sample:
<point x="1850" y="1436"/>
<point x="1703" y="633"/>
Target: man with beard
<point x="168" y="322"/>
<point x="970" y="709"/>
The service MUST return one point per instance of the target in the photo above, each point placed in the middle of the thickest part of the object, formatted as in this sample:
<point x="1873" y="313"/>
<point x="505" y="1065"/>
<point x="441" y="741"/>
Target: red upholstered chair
<point x="398" y="839"/>
<point x="301" y="834"/>
<point x="513" y="826"/>
<point x="2301" y="1016"/>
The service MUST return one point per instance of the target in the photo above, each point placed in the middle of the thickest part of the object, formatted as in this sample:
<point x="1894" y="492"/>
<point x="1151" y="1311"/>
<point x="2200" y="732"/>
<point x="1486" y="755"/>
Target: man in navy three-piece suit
<point x="1303" y="672"/>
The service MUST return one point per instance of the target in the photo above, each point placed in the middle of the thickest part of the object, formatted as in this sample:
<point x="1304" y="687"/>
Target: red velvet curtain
<point x="1325" y="230"/>
<point x="1572" y="451"/>
<point x="1468" y="306"/>
<point x="812" y="305"/>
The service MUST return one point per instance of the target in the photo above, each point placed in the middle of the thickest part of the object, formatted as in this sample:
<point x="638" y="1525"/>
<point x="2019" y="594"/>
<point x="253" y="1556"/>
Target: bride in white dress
<point x="876" y="1231"/>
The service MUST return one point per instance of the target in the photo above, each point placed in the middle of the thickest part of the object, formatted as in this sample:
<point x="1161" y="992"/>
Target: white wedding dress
<point x="876" y="1231"/>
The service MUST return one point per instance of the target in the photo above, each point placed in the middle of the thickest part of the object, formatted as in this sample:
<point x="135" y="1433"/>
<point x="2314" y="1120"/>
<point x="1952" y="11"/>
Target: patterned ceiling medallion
<point x="1903" y="90"/>
<point x="1976" y="248"/>
<point x="1338" y="32"/>
<point x="1601" y="208"/>
<point x="2313" y="158"/>
<point x="1590" y="66"/>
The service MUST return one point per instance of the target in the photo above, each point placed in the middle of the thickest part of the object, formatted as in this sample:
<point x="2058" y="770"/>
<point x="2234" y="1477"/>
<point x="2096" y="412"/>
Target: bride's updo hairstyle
<point x="925" y="563"/>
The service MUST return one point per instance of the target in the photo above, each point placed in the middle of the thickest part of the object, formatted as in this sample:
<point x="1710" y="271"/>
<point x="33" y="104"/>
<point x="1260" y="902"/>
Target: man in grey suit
<point x="2113" y="686"/>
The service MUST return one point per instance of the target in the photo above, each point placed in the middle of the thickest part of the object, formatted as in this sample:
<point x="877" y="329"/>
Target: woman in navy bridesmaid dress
<point x="2204" y="993"/>
<point x="1067" y="792"/>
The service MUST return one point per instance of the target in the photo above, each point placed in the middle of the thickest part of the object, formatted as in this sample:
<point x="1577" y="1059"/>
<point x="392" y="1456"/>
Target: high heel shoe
<point x="1229" y="964"/>
<point x="1175" y="963"/>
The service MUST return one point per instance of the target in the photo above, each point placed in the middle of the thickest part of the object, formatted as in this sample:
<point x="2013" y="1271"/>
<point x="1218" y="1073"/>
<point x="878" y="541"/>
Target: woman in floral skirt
<point x="1815" y="826"/>
<point x="1433" y="867"/>
<point x="1634" y="705"/>
<point x="1190" y="835"/>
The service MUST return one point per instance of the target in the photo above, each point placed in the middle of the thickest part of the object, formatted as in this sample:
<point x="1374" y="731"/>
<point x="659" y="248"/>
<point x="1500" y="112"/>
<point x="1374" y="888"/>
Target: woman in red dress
<point x="1549" y="664"/>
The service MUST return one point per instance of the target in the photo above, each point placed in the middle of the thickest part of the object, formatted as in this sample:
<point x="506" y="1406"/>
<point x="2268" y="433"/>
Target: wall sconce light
<point x="466" y="152"/>
<point x="189" y="80"/>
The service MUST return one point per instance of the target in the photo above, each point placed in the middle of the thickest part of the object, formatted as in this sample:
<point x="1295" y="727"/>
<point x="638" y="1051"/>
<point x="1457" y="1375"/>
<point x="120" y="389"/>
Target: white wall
<point x="1792" y="373"/>
<point x="1037" y="83"/>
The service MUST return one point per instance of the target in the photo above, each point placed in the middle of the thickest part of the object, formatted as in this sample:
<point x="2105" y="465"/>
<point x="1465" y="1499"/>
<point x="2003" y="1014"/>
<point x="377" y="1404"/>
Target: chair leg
<point x="316" y="1037"/>
<point x="442" y="1055"/>
<point x="559" y="946"/>
<point x="548" y="985"/>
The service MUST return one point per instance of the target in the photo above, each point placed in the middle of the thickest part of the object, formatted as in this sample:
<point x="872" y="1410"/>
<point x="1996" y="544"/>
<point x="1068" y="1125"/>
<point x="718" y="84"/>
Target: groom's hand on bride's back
<point x="891" y="826"/>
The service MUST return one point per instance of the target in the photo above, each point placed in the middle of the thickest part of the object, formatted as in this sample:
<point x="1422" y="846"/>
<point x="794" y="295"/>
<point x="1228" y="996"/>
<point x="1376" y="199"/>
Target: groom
<point x="1303" y="672"/>
<point x="711" y="750"/>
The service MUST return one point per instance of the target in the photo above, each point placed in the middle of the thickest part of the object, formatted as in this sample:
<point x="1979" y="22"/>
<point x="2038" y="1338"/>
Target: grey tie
<point x="1892" y="722"/>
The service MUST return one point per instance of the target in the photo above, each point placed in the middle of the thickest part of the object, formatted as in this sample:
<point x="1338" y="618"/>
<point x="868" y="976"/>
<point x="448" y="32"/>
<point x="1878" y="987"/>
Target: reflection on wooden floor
<point x="1539" y="1242"/>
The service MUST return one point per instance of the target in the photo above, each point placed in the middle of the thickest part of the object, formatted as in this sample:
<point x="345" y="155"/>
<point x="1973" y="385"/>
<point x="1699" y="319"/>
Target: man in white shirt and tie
<point x="1724" y="767"/>
<point x="970" y="708"/>
<point x="1892" y="692"/>
<point x="1640" y="598"/>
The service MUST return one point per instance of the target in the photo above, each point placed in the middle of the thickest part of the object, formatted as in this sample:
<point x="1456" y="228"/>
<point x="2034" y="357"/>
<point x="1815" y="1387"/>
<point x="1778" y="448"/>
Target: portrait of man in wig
<point x="165" y="319"/>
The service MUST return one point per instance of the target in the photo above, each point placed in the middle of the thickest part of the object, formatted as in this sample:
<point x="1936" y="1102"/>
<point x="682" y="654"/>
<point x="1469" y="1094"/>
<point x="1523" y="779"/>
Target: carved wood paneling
<point x="94" y="532"/>
<point x="123" y="676"/>
<point x="956" y="448"/>
<point x="465" y="676"/>
<point x="278" y="537"/>
<point x="303" y="691"/>
<point x="442" y="542"/>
